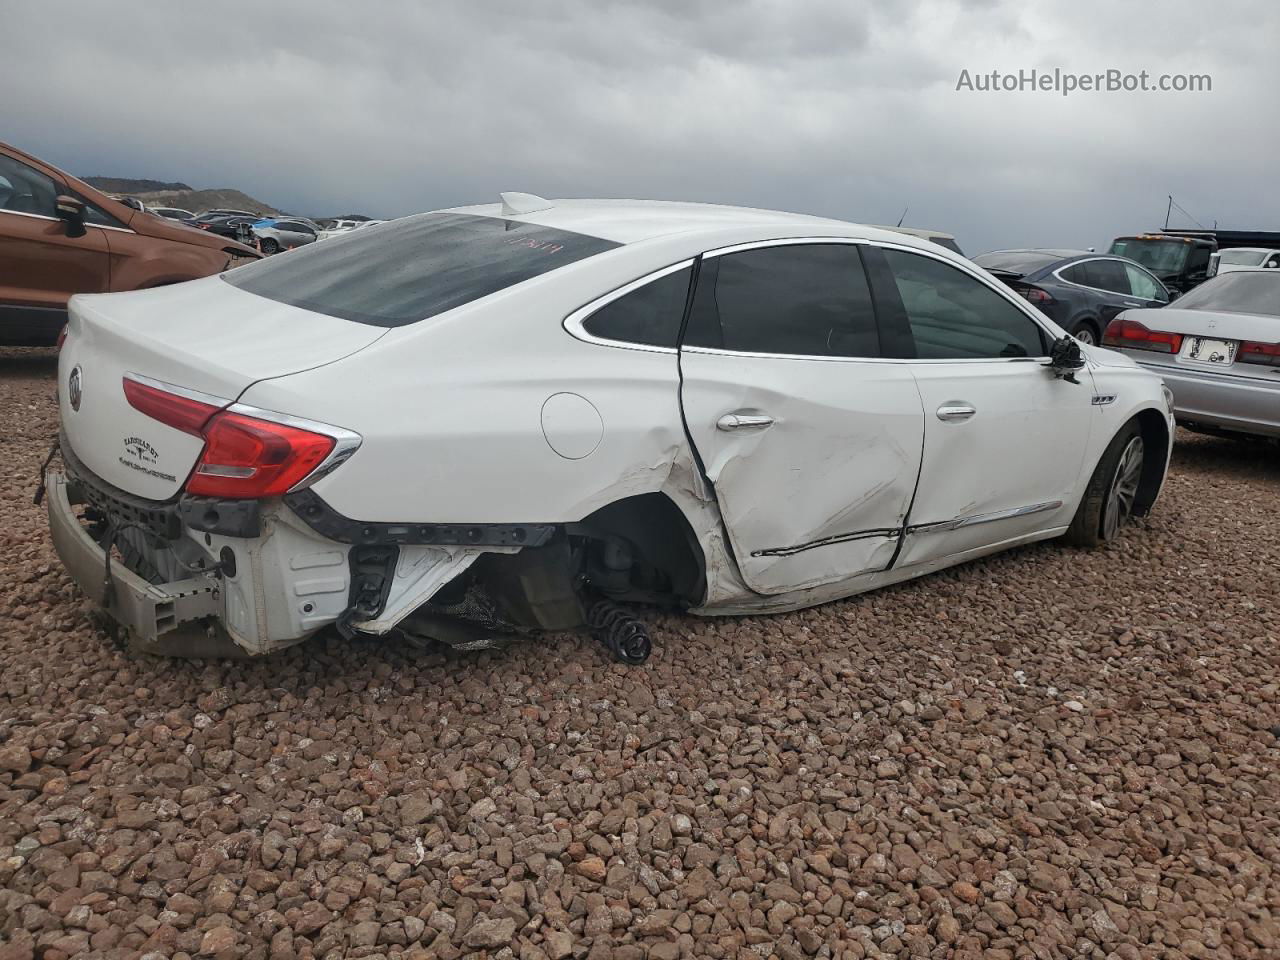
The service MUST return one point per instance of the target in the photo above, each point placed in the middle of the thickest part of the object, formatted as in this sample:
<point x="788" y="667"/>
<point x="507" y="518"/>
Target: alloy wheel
<point x="1124" y="488"/>
<point x="1085" y="335"/>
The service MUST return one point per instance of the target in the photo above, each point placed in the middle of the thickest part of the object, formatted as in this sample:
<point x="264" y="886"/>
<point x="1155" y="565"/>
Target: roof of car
<point x="1062" y="254"/>
<point x="630" y="221"/>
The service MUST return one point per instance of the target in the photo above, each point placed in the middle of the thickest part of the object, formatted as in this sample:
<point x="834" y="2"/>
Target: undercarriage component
<point x="372" y="572"/>
<point x="622" y="633"/>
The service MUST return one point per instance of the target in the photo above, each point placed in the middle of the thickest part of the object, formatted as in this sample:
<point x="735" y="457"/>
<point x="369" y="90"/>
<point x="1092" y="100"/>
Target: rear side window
<point x="802" y="299"/>
<point x="650" y="314"/>
<point x="414" y="268"/>
<point x="955" y="317"/>
<point x="1108" y="275"/>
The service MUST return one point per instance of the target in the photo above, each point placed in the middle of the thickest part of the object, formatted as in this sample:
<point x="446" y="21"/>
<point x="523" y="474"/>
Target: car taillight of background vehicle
<point x="1035" y="294"/>
<point x="62" y="337"/>
<point x="1136" y="336"/>
<point x="245" y="457"/>
<point x="1253" y="352"/>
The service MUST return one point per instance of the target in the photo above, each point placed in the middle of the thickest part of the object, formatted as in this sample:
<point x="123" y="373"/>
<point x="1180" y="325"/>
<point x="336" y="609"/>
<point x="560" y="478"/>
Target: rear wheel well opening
<point x="637" y="550"/>
<point x="1154" y="430"/>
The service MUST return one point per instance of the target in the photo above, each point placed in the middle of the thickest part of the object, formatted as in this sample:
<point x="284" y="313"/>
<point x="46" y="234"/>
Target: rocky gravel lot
<point x="1052" y="753"/>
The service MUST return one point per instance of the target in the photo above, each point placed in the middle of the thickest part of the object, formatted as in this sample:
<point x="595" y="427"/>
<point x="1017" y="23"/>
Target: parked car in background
<point x="132" y="202"/>
<point x="236" y="226"/>
<point x="1180" y="263"/>
<point x="1243" y="258"/>
<point x="334" y="228"/>
<point x="1081" y="291"/>
<point x="275" y="235"/>
<point x="173" y="213"/>
<point x="613" y="402"/>
<point x="1218" y="350"/>
<point x="59" y="236"/>
<point x="223" y="212"/>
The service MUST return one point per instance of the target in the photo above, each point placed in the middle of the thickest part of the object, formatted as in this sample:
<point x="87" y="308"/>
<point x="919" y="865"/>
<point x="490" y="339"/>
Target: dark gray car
<point x="1080" y="291"/>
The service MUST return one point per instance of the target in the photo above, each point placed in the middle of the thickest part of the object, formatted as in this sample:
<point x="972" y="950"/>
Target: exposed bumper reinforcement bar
<point x="172" y="612"/>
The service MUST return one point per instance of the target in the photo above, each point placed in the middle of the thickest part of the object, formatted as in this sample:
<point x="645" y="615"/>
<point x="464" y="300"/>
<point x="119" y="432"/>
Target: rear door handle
<point x="956" y="411"/>
<point x="742" y="421"/>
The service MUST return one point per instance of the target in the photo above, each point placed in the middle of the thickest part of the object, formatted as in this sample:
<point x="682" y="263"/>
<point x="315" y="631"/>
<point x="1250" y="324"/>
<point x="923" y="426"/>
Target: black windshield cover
<point x="408" y="270"/>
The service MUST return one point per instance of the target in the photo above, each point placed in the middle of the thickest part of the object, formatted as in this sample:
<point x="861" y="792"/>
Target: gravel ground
<point x="1051" y="753"/>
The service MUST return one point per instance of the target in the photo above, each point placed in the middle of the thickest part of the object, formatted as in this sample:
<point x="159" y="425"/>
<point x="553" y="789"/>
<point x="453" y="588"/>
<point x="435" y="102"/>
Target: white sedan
<point x="534" y="416"/>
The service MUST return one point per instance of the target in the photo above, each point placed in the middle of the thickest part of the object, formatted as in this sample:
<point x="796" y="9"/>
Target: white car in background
<point x="530" y="416"/>
<point x="337" y="228"/>
<point x="1234" y="259"/>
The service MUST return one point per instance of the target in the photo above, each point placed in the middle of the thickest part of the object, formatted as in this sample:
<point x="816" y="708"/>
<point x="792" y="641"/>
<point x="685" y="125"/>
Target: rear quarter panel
<point x="458" y="418"/>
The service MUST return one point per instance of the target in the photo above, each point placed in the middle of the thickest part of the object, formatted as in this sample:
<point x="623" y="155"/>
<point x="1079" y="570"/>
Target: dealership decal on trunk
<point x="144" y="457"/>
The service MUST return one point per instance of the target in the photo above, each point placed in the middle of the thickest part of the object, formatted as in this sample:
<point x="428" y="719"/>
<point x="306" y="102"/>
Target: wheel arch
<point x="1153" y="427"/>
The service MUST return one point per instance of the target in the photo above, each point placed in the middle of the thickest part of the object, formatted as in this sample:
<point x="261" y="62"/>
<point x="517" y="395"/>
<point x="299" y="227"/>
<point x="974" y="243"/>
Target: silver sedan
<point x="1218" y="349"/>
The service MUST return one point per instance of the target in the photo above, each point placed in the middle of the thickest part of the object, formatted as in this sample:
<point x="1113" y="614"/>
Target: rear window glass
<point x="414" y="268"/>
<point x="1021" y="262"/>
<point x="1238" y="292"/>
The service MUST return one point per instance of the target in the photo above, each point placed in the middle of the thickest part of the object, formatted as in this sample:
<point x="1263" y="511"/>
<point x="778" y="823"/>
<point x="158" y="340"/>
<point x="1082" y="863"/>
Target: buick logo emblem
<point x="75" y="389"/>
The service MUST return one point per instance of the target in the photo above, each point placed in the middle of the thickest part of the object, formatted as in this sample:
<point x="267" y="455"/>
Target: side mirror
<point x="1065" y="358"/>
<point x="71" y="213"/>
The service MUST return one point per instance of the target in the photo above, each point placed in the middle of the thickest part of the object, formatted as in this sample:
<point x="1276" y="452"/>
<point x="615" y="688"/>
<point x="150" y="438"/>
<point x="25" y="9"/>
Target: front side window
<point x="24" y="189"/>
<point x="414" y="268"/>
<point x="649" y="315"/>
<point x="799" y="299"/>
<point x="953" y="316"/>
<point x="1144" y="285"/>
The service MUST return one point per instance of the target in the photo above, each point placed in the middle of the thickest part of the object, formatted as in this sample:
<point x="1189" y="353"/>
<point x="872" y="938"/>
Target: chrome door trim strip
<point x="979" y="518"/>
<point x="41" y="216"/>
<point x="887" y="533"/>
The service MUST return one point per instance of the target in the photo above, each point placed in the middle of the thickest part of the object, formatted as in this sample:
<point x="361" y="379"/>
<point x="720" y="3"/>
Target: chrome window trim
<point x="781" y="242"/>
<point x="1057" y="274"/>
<point x="41" y="216"/>
<point x="575" y="322"/>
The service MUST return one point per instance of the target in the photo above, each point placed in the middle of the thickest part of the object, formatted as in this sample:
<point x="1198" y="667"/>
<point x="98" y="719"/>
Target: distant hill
<point x="129" y="185"/>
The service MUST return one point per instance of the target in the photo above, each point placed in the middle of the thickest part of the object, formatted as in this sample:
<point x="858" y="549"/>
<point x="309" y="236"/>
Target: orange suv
<point x="59" y="236"/>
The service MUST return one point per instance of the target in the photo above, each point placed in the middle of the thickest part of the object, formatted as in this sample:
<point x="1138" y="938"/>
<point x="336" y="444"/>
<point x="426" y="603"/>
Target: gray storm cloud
<point x="841" y="109"/>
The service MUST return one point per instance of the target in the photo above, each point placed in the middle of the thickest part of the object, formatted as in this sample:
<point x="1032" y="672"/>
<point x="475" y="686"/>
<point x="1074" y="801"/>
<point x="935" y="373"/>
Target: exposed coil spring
<point x="622" y="633"/>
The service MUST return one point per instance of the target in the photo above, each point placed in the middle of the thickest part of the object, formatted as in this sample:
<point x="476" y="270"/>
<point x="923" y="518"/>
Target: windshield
<point x="1021" y="262"/>
<point x="1162" y="257"/>
<point x="1238" y="292"/>
<point x="1243" y="257"/>
<point x="414" y="268"/>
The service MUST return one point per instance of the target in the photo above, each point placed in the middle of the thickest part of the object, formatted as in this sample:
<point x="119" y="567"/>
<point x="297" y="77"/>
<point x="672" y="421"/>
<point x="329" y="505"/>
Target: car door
<point x="1004" y="439"/>
<point x="1111" y="279"/>
<point x="811" y="442"/>
<point x="40" y="266"/>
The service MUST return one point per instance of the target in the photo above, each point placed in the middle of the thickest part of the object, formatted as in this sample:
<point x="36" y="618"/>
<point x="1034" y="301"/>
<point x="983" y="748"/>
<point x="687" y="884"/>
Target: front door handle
<point x="956" y="411"/>
<point x="741" y="421"/>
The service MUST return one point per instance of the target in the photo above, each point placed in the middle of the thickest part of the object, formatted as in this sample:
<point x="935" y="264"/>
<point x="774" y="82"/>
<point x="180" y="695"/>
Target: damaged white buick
<point x="537" y="415"/>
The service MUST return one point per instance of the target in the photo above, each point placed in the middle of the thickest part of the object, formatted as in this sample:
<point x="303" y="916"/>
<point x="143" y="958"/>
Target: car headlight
<point x="1168" y="396"/>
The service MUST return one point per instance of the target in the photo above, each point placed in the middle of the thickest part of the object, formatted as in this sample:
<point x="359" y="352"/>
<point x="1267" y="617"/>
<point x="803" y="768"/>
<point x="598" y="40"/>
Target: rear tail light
<point x="248" y="453"/>
<point x="1035" y="294"/>
<point x="62" y="336"/>
<point x="1122" y="332"/>
<point x="1253" y="352"/>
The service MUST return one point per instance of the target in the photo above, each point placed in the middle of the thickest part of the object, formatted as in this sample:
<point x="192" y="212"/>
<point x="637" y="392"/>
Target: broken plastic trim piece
<point x="326" y="521"/>
<point x="987" y="517"/>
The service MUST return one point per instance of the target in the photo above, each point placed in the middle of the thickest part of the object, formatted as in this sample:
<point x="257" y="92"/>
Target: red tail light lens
<point x="245" y="457"/>
<point x="62" y="336"/>
<point x="182" y="413"/>
<point x="1122" y="332"/>
<point x="1035" y="294"/>
<point x="1253" y="352"/>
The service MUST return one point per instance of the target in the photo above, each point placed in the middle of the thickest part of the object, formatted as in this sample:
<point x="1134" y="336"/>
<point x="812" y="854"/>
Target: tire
<point x="1108" y="499"/>
<point x="270" y="246"/>
<point x="1086" y="332"/>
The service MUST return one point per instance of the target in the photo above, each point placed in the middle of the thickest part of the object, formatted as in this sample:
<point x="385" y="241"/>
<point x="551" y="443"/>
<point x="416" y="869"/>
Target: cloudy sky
<point x="820" y="106"/>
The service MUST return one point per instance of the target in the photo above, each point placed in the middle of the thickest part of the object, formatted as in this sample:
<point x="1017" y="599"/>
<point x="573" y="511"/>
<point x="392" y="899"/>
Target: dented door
<point x="819" y="492"/>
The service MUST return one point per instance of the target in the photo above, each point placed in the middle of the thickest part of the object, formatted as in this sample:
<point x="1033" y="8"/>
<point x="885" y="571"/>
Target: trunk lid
<point x="204" y="336"/>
